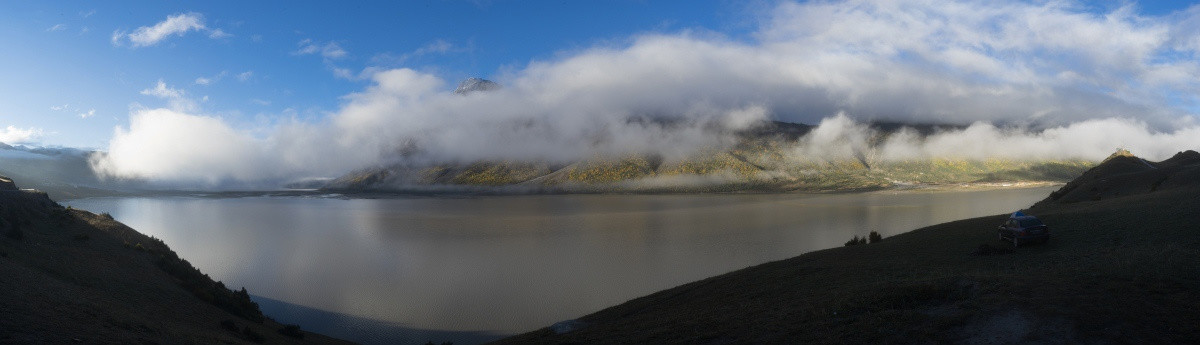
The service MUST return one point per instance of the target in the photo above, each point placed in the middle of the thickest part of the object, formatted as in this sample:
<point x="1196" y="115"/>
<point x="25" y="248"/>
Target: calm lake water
<point x="508" y="264"/>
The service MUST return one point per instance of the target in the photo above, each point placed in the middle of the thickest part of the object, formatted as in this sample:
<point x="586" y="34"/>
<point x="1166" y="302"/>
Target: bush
<point x="201" y="285"/>
<point x="292" y="331"/>
<point x="856" y="241"/>
<point x="252" y="335"/>
<point x="82" y="237"/>
<point x="875" y="237"/>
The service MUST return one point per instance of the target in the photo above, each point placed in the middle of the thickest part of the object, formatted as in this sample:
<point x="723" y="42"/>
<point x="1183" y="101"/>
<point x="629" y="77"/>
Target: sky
<point x="67" y="78"/>
<point x="219" y="91"/>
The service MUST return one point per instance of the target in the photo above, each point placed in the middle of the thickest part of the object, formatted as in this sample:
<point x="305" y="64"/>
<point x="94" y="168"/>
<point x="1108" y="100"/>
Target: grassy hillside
<point x="1120" y="268"/>
<point x="759" y="165"/>
<point x="772" y="157"/>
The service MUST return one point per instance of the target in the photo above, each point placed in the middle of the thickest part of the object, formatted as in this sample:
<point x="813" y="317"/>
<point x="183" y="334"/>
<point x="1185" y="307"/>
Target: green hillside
<point x="761" y="161"/>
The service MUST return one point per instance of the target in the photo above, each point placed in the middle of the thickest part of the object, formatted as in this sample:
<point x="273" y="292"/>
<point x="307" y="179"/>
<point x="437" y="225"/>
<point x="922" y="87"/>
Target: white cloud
<point x="174" y="25"/>
<point x="161" y="90"/>
<point x="261" y="102"/>
<point x="210" y="80"/>
<point x="218" y="34"/>
<point x="344" y="73"/>
<point x="177" y="99"/>
<point x="69" y="109"/>
<point x="245" y="76"/>
<point x="328" y="50"/>
<point x="205" y="146"/>
<point x="87" y="13"/>
<point x="1084" y="82"/>
<point x="57" y="27"/>
<point x="12" y="135"/>
<point x="436" y="47"/>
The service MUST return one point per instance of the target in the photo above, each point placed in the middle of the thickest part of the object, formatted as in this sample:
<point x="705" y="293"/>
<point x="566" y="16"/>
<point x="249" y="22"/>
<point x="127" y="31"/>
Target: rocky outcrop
<point x="6" y="184"/>
<point x="475" y="85"/>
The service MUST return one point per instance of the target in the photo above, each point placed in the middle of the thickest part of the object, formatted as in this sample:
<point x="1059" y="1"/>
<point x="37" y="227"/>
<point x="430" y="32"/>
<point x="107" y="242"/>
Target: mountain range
<point x="764" y="158"/>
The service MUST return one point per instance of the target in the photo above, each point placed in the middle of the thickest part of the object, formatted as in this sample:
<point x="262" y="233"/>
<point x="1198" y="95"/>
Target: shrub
<point x="82" y="237"/>
<point x="229" y="325"/>
<point x="235" y="302"/>
<point x="856" y="241"/>
<point x="292" y="331"/>
<point x="252" y="335"/>
<point x="875" y="237"/>
<point x="107" y="215"/>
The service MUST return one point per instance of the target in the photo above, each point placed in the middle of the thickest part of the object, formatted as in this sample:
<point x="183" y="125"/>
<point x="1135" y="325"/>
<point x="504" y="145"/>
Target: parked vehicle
<point x="1021" y="228"/>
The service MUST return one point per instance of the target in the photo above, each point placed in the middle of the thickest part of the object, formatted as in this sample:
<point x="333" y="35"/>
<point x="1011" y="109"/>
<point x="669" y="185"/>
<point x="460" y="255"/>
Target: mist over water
<point x="1050" y="80"/>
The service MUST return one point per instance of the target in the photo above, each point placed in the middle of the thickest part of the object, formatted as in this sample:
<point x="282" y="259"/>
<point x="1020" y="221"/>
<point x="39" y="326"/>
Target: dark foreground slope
<point x="70" y="276"/>
<point x="1122" y="267"/>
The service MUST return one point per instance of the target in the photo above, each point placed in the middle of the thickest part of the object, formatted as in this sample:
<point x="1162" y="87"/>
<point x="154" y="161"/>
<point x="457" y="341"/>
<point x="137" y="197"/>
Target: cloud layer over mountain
<point x="1047" y="80"/>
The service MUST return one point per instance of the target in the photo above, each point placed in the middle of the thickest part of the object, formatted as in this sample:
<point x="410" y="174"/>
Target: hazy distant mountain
<point x="475" y="84"/>
<point x="764" y="159"/>
<point x="64" y="173"/>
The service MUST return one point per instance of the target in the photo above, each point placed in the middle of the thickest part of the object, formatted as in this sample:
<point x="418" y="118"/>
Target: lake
<point x="470" y="269"/>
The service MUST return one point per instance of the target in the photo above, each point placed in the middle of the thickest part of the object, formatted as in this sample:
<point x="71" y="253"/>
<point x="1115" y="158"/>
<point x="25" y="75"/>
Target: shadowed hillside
<point x="1125" y="174"/>
<point x="1119" y="268"/>
<point x="70" y="276"/>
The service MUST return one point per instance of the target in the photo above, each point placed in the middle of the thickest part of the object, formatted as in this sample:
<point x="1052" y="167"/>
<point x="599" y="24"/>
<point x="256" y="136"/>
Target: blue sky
<point x="213" y="92"/>
<point x="67" y="65"/>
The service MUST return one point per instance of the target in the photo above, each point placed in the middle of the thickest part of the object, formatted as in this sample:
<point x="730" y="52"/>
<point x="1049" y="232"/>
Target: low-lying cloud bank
<point x="1042" y="80"/>
<point x="840" y="137"/>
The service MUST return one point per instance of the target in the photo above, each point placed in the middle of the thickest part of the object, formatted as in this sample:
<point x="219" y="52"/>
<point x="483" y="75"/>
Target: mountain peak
<point x="1121" y="152"/>
<point x="473" y="84"/>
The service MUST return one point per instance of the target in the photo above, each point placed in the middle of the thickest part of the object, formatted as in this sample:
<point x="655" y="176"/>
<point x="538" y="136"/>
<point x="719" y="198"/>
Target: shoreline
<point x="502" y="192"/>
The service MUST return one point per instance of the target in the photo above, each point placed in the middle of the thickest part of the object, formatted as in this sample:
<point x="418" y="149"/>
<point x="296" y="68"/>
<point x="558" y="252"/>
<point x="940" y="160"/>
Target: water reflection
<point x="514" y="263"/>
